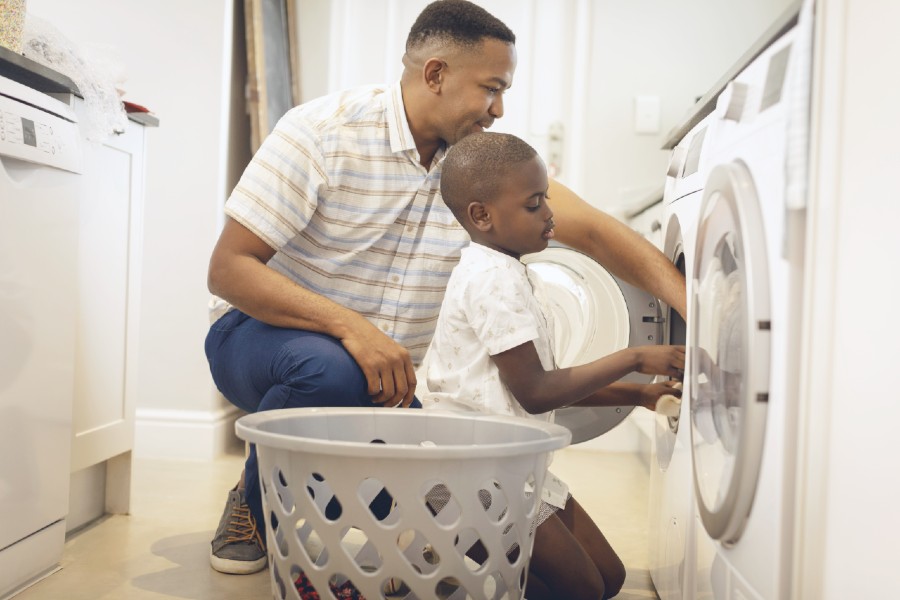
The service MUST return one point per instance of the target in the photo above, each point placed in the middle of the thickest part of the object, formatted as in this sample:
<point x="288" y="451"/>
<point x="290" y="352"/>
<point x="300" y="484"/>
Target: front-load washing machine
<point x="747" y="279"/>
<point x="594" y="314"/>
<point x="671" y="497"/>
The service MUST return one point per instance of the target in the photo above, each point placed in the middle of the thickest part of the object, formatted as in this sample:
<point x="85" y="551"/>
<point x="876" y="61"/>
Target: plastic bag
<point x="94" y="73"/>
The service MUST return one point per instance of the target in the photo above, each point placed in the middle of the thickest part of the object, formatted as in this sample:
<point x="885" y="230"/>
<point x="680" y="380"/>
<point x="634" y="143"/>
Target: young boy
<point x="492" y="350"/>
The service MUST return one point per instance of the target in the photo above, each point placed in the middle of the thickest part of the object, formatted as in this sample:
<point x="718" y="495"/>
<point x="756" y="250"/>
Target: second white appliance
<point x="671" y="487"/>
<point x="40" y="157"/>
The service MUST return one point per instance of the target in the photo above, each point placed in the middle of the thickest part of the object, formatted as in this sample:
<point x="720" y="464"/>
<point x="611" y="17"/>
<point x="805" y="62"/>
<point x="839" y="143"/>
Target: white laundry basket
<point x="390" y="502"/>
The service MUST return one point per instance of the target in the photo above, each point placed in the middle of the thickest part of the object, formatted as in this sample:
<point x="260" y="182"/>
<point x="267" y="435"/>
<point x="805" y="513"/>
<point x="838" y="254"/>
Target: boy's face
<point x="521" y="220"/>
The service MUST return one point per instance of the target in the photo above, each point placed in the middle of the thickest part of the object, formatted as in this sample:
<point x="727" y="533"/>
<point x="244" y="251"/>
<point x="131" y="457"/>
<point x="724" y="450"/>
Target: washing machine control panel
<point x="33" y="134"/>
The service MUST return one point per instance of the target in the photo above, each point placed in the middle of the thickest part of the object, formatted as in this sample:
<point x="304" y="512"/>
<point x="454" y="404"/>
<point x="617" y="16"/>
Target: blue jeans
<point x="260" y="367"/>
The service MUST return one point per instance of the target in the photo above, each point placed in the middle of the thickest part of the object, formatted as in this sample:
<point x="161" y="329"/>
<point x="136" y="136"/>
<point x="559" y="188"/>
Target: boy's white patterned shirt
<point x="490" y="306"/>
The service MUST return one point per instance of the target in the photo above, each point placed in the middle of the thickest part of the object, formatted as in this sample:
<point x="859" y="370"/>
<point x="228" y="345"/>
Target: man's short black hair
<point x="457" y="21"/>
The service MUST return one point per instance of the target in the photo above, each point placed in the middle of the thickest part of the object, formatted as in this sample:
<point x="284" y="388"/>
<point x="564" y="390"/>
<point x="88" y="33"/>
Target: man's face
<point x="473" y="87"/>
<point x="522" y="222"/>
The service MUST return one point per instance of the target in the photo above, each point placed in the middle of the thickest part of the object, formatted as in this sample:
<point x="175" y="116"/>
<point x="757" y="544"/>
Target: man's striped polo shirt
<point x="337" y="190"/>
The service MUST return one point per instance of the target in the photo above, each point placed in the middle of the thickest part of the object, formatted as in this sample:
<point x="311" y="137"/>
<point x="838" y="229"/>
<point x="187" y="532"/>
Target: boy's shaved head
<point x="475" y="166"/>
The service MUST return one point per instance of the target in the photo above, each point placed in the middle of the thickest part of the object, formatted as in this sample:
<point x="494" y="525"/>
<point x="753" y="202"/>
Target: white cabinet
<point x="108" y="303"/>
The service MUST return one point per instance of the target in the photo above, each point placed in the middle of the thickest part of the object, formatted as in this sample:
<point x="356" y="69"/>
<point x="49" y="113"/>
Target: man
<point x="337" y="247"/>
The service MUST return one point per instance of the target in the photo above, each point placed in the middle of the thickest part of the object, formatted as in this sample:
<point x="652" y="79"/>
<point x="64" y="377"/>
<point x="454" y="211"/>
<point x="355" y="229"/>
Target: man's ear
<point x="433" y="72"/>
<point x="480" y="216"/>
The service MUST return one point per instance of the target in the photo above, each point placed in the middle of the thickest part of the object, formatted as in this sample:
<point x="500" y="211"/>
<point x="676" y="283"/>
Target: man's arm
<point x="238" y="273"/>
<point x="616" y="246"/>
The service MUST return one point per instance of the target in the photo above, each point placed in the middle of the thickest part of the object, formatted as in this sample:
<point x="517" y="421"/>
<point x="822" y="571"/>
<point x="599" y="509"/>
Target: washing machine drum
<point x="594" y="314"/>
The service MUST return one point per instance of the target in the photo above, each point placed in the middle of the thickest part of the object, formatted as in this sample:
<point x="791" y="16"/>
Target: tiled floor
<point x="160" y="551"/>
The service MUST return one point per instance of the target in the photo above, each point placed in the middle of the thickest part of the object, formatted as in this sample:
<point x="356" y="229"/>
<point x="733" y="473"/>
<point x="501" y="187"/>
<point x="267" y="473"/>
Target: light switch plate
<point x="646" y="114"/>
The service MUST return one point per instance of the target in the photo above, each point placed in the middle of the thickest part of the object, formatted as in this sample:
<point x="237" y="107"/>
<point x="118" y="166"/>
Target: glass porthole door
<point x="594" y="314"/>
<point x="730" y="351"/>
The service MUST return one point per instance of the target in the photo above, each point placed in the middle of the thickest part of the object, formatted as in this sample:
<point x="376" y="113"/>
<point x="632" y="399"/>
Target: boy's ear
<point x="480" y="216"/>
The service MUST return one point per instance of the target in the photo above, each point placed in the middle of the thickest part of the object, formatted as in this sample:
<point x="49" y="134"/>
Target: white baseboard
<point x="185" y="434"/>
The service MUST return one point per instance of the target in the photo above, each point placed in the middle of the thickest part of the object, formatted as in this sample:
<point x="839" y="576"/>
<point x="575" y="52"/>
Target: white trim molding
<point x="185" y="434"/>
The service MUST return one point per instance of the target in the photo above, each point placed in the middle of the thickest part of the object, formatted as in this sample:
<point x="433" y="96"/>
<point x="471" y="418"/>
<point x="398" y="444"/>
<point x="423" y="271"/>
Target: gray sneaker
<point x="237" y="547"/>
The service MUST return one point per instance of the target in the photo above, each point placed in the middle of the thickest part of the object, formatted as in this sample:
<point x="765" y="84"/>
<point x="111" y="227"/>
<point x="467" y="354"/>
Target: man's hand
<point x="385" y="363"/>
<point x="239" y="273"/>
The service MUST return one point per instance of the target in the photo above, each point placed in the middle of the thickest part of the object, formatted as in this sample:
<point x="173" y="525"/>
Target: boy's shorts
<point x="439" y="496"/>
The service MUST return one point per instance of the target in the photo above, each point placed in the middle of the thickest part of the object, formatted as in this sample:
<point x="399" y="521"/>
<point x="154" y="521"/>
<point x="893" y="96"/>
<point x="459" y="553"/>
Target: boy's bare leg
<point x="595" y="544"/>
<point x="562" y="565"/>
<point x="537" y="589"/>
<point x="572" y="558"/>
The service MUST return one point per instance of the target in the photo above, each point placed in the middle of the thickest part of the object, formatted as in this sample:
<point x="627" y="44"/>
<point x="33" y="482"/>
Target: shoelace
<point x="243" y="527"/>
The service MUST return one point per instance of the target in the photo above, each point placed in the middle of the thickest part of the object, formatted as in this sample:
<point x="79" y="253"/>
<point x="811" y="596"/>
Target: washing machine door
<point x="729" y="351"/>
<point x="594" y="314"/>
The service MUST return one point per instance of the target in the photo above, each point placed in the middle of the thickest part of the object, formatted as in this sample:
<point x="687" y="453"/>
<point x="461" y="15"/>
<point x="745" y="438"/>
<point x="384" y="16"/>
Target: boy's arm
<point x="632" y="394"/>
<point x="540" y="391"/>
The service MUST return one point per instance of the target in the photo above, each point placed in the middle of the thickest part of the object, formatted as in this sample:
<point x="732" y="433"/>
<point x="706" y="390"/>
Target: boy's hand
<point x="652" y="393"/>
<point x="661" y="360"/>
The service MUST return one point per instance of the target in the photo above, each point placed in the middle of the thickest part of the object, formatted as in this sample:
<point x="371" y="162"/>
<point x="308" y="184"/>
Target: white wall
<point x="674" y="50"/>
<point x="581" y="63"/>
<point x="179" y="63"/>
